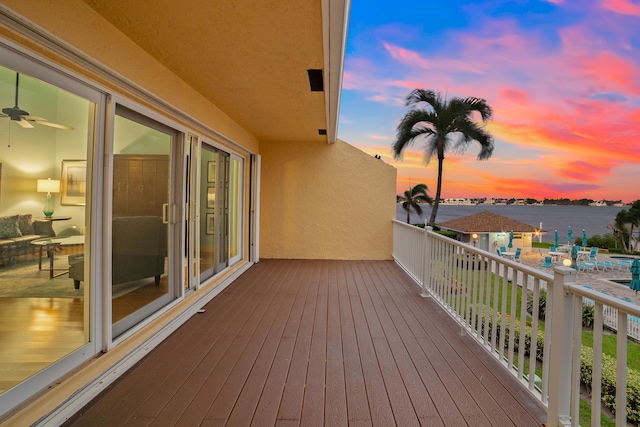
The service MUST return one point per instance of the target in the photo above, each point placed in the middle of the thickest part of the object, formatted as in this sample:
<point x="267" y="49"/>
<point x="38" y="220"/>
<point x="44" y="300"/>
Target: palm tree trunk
<point x="408" y="214"/>
<point x="436" y="203"/>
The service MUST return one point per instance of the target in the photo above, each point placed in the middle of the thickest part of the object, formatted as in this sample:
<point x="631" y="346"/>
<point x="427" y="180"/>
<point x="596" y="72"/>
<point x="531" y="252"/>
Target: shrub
<point x="607" y="241"/>
<point x="586" y="363"/>
<point x="587" y="316"/>
<point x="609" y="383"/>
<point x="587" y="310"/>
<point x="542" y="303"/>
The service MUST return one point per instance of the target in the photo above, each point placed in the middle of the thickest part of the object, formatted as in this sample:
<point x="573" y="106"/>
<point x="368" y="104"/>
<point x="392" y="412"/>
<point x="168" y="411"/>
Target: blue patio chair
<point x="548" y="262"/>
<point x="593" y="255"/>
<point x="503" y="249"/>
<point x="516" y="257"/>
<point x="498" y="252"/>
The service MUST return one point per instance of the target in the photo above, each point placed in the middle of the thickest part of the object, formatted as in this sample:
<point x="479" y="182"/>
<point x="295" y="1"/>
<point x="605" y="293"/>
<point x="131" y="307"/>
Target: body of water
<point x="594" y="219"/>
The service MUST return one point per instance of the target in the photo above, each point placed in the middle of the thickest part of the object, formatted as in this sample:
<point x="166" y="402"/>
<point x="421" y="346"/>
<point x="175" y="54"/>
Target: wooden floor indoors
<point x="316" y="343"/>
<point x="36" y="332"/>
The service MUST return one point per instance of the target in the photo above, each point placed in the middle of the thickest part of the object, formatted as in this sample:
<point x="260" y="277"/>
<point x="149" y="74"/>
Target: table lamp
<point x="48" y="186"/>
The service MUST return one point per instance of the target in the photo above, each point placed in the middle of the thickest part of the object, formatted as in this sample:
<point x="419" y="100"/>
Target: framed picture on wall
<point x="73" y="183"/>
<point x="211" y="197"/>
<point x="211" y="171"/>
<point x="210" y="224"/>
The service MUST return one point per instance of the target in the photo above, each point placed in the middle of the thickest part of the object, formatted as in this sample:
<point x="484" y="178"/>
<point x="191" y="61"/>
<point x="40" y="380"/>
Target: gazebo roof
<point x="487" y="222"/>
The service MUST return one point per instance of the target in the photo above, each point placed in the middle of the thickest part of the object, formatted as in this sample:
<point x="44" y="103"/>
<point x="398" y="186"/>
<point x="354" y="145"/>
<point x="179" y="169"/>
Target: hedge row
<point x="609" y="383"/>
<point x="586" y="366"/>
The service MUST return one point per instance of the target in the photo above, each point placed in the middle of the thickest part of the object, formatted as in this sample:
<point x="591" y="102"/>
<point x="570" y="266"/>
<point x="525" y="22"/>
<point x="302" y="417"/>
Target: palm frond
<point x="469" y="132"/>
<point x="430" y="97"/>
<point x="413" y="125"/>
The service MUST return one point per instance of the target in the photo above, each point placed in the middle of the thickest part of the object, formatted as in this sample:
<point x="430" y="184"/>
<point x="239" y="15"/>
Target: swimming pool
<point x="625" y="282"/>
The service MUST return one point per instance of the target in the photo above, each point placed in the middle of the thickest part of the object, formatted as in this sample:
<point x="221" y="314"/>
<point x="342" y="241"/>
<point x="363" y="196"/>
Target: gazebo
<point x="488" y="231"/>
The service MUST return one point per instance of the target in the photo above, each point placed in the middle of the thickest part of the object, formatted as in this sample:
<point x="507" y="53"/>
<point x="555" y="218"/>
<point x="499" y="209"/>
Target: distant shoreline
<point x="594" y="219"/>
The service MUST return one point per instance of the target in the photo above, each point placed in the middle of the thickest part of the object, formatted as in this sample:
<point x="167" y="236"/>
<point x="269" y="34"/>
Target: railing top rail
<point x="404" y="224"/>
<point x="542" y="275"/>
<point x="602" y="298"/>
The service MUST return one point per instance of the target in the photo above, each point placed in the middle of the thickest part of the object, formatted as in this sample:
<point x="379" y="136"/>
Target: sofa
<point x="139" y="251"/>
<point x="16" y="234"/>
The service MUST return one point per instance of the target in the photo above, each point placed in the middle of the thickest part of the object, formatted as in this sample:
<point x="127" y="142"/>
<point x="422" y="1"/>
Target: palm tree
<point x="443" y="124"/>
<point x="629" y="218"/>
<point x="413" y="196"/>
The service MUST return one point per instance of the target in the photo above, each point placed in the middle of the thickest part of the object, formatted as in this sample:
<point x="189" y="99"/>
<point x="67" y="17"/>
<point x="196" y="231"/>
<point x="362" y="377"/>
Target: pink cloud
<point x="623" y="7"/>
<point x="414" y="59"/>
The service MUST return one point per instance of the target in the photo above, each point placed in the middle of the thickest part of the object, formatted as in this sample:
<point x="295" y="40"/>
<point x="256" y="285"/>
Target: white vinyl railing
<point x="610" y="319"/>
<point x="498" y="302"/>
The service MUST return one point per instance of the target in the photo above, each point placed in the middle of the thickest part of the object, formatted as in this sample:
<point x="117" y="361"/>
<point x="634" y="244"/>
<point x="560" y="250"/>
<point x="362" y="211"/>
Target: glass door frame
<point x="33" y="65"/>
<point x="192" y="210"/>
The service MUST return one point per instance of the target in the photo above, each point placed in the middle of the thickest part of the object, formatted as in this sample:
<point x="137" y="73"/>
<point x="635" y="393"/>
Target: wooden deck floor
<point x="307" y="343"/>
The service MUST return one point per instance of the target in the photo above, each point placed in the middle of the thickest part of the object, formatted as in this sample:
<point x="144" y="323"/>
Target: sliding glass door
<point x="47" y="137"/>
<point x="220" y="210"/>
<point x="142" y="217"/>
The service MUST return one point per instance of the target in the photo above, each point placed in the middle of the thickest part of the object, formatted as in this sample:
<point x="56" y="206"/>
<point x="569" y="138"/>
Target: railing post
<point x="559" y="404"/>
<point x="426" y="261"/>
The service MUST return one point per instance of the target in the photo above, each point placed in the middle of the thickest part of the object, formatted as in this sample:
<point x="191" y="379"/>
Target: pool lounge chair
<point x="585" y="266"/>
<point x="603" y="265"/>
<point x="548" y="262"/>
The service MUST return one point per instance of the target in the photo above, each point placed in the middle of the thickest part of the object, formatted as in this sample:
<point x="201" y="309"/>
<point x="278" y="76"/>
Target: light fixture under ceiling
<point x="315" y="80"/>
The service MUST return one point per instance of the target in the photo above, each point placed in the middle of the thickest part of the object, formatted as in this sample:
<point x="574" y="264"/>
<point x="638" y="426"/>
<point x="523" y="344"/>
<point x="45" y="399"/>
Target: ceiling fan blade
<point x="24" y="124"/>
<point x="53" y="125"/>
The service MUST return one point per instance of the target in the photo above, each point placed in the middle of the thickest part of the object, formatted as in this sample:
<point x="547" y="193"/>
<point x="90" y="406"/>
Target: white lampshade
<point x="48" y="185"/>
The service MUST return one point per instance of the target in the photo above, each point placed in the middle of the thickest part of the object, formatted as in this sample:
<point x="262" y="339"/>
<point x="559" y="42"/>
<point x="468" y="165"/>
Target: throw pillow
<point x="9" y="227"/>
<point x="25" y="222"/>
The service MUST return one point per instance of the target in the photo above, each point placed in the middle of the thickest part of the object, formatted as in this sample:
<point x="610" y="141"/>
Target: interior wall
<point x="322" y="201"/>
<point x="37" y="153"/>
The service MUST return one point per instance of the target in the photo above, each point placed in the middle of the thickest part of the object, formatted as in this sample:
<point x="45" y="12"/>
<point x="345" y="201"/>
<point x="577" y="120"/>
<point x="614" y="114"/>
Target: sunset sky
<point x="562" y="77"/>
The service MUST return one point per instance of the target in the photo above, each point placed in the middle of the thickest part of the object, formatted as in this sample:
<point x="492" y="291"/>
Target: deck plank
<point x="336" y="343"/>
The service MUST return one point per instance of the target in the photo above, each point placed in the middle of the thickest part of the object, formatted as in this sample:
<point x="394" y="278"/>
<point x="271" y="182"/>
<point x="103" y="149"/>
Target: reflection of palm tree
<point x="414" y="196"/>
<point x="442" y="124"/>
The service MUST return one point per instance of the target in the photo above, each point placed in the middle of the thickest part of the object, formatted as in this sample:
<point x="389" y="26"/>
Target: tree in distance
<point x="413" y="197"/>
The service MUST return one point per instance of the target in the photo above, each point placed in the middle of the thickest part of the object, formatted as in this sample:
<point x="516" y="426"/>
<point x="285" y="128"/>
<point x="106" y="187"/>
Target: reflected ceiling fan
<point x="23" y="118"/>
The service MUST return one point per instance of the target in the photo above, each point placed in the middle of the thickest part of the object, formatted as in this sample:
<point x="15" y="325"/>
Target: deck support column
<point x="559" y="407"/>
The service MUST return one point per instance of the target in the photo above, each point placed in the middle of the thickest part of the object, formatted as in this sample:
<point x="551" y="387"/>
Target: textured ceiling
<point x="249" y="57"/>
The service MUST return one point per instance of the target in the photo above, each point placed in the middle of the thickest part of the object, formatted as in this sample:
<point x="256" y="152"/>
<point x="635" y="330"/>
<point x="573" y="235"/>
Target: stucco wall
<point x="322" y="201"/>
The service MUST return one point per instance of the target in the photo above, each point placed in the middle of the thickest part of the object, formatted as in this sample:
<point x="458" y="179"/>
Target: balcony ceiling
<point x="248" y="57"/>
